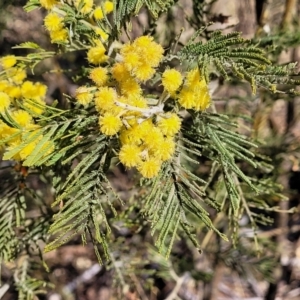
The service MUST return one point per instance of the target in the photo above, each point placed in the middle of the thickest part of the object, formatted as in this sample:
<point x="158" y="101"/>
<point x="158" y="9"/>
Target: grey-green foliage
<point x="124" y="9"/>
<point x="178" y="200"/>
<point x="232" y="56"/>
<point x="20" y="234"/>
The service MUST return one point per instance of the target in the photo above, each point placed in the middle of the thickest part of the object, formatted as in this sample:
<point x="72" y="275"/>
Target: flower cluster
<point x="57" y="26"/>
<point x="145" y="130"/>
<point x="21" y="99"/>
<point x="194" y="94"/>
<point x="144" y="125"/>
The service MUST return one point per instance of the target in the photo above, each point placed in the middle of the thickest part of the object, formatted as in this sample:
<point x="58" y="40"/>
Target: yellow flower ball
<point x="131" y="60"/>
<point x="171" y="80"/>
<point x="40" y="89"/>
<point x="59" y="36"/>
<point x="53" y="22"/>
<point x="28" y="90"/>
<point x="102" y="33"/>
<point x="8" y="61"/>
<point x="4" y="101"/>
<point x="202" y="100"/>
<point x="22" y="117"/>
<point x="14" y="91"/>
<point x="153" y="54"/>
<point x="119" y="72"/>
<point x="109" y="124"/>
<point x="6" y="132"/>
<point x="98" y="13"/>
<point x="108" y="6"/>
<point x="48" y="4"/>
<point x="130" y="87"/>
<point x="105" y="99"/>
<point x="96" y="55"/>
<point x="153" y="138"/>
<point x="130" y="155"/>
<point x="143" y="41"/>
<point x="166" y="150"/>
<point x="186" y="98"/>
<point x="193" y="77"/>
<point x="4" y="84"/>
<point x="144" y="72"/>
<point x="84" y="96"/>
<point x="16" y="75"/>
<point x="150" y="168"/>
<point x="99" y="76"/>
<point x="169" y="124"/>
<point x="86" y="7"/>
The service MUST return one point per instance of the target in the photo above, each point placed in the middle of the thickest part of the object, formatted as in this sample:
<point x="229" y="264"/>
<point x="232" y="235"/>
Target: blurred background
<point x="221" y="271"/>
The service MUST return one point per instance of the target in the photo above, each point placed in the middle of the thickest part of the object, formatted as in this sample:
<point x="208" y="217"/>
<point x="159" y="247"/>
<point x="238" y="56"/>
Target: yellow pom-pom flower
<point x="166" y="150"/>
<point x="86" y="7"/>
<point x="59" y="36"/>
<point x="48" y="4"/>
<point x="130" y="155"/>
<point x="16" y="75"/>
<point x="153" y="54"/>
<point x="153" y="138"/>
<point x="169" y="124"/>
<point x="53" y="22"/>
<point x="193" y="77"/>
<point x="131" y="60"/>
<point x="133" y="135"/>
<point x="105" y="99"/>
<point x="28" y="89"/>
<point x="130" y="87"/>
<point x="98" y="13"/>
<point x="96" y="55"/>
<point x="99" y="76"/>
<point x="4" y="101"/>
<point x="84" y="96"/>
<point x="150" y="168"/>
<point x="102" y="33"/>
<point x="8" y="61"/>
<point x="149" y="50"/>
<point x="40" y="89"/>
<point x="144" y="72"/>
<point x="171" y="80"/>
<point x="138" y="101"/>
<point x="4" y="84"/>
<point x="202" y="100"/>
<point x="108" y="6"/>
<point x="109" y="124"/>
<point x="119" y="72"/>
<point x="14" y="91"/>
<point x="143" y="41"/>
<point x="22" y="117"/>
<point x="186" y="98"/>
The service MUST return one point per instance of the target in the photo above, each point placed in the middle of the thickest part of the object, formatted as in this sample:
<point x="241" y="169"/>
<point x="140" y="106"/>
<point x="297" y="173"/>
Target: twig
<point x="84" y="277"/>
<point x="180" y="280"/>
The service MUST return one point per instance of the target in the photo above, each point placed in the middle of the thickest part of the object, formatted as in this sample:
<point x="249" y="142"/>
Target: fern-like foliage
<point x="82" y="199"/>
<point x="176" y="195"/>
<point x="11" y="216"/>
<point x="172" y="198"/>
<point x="232" y="56"/>
<point x="124" y="9"/>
